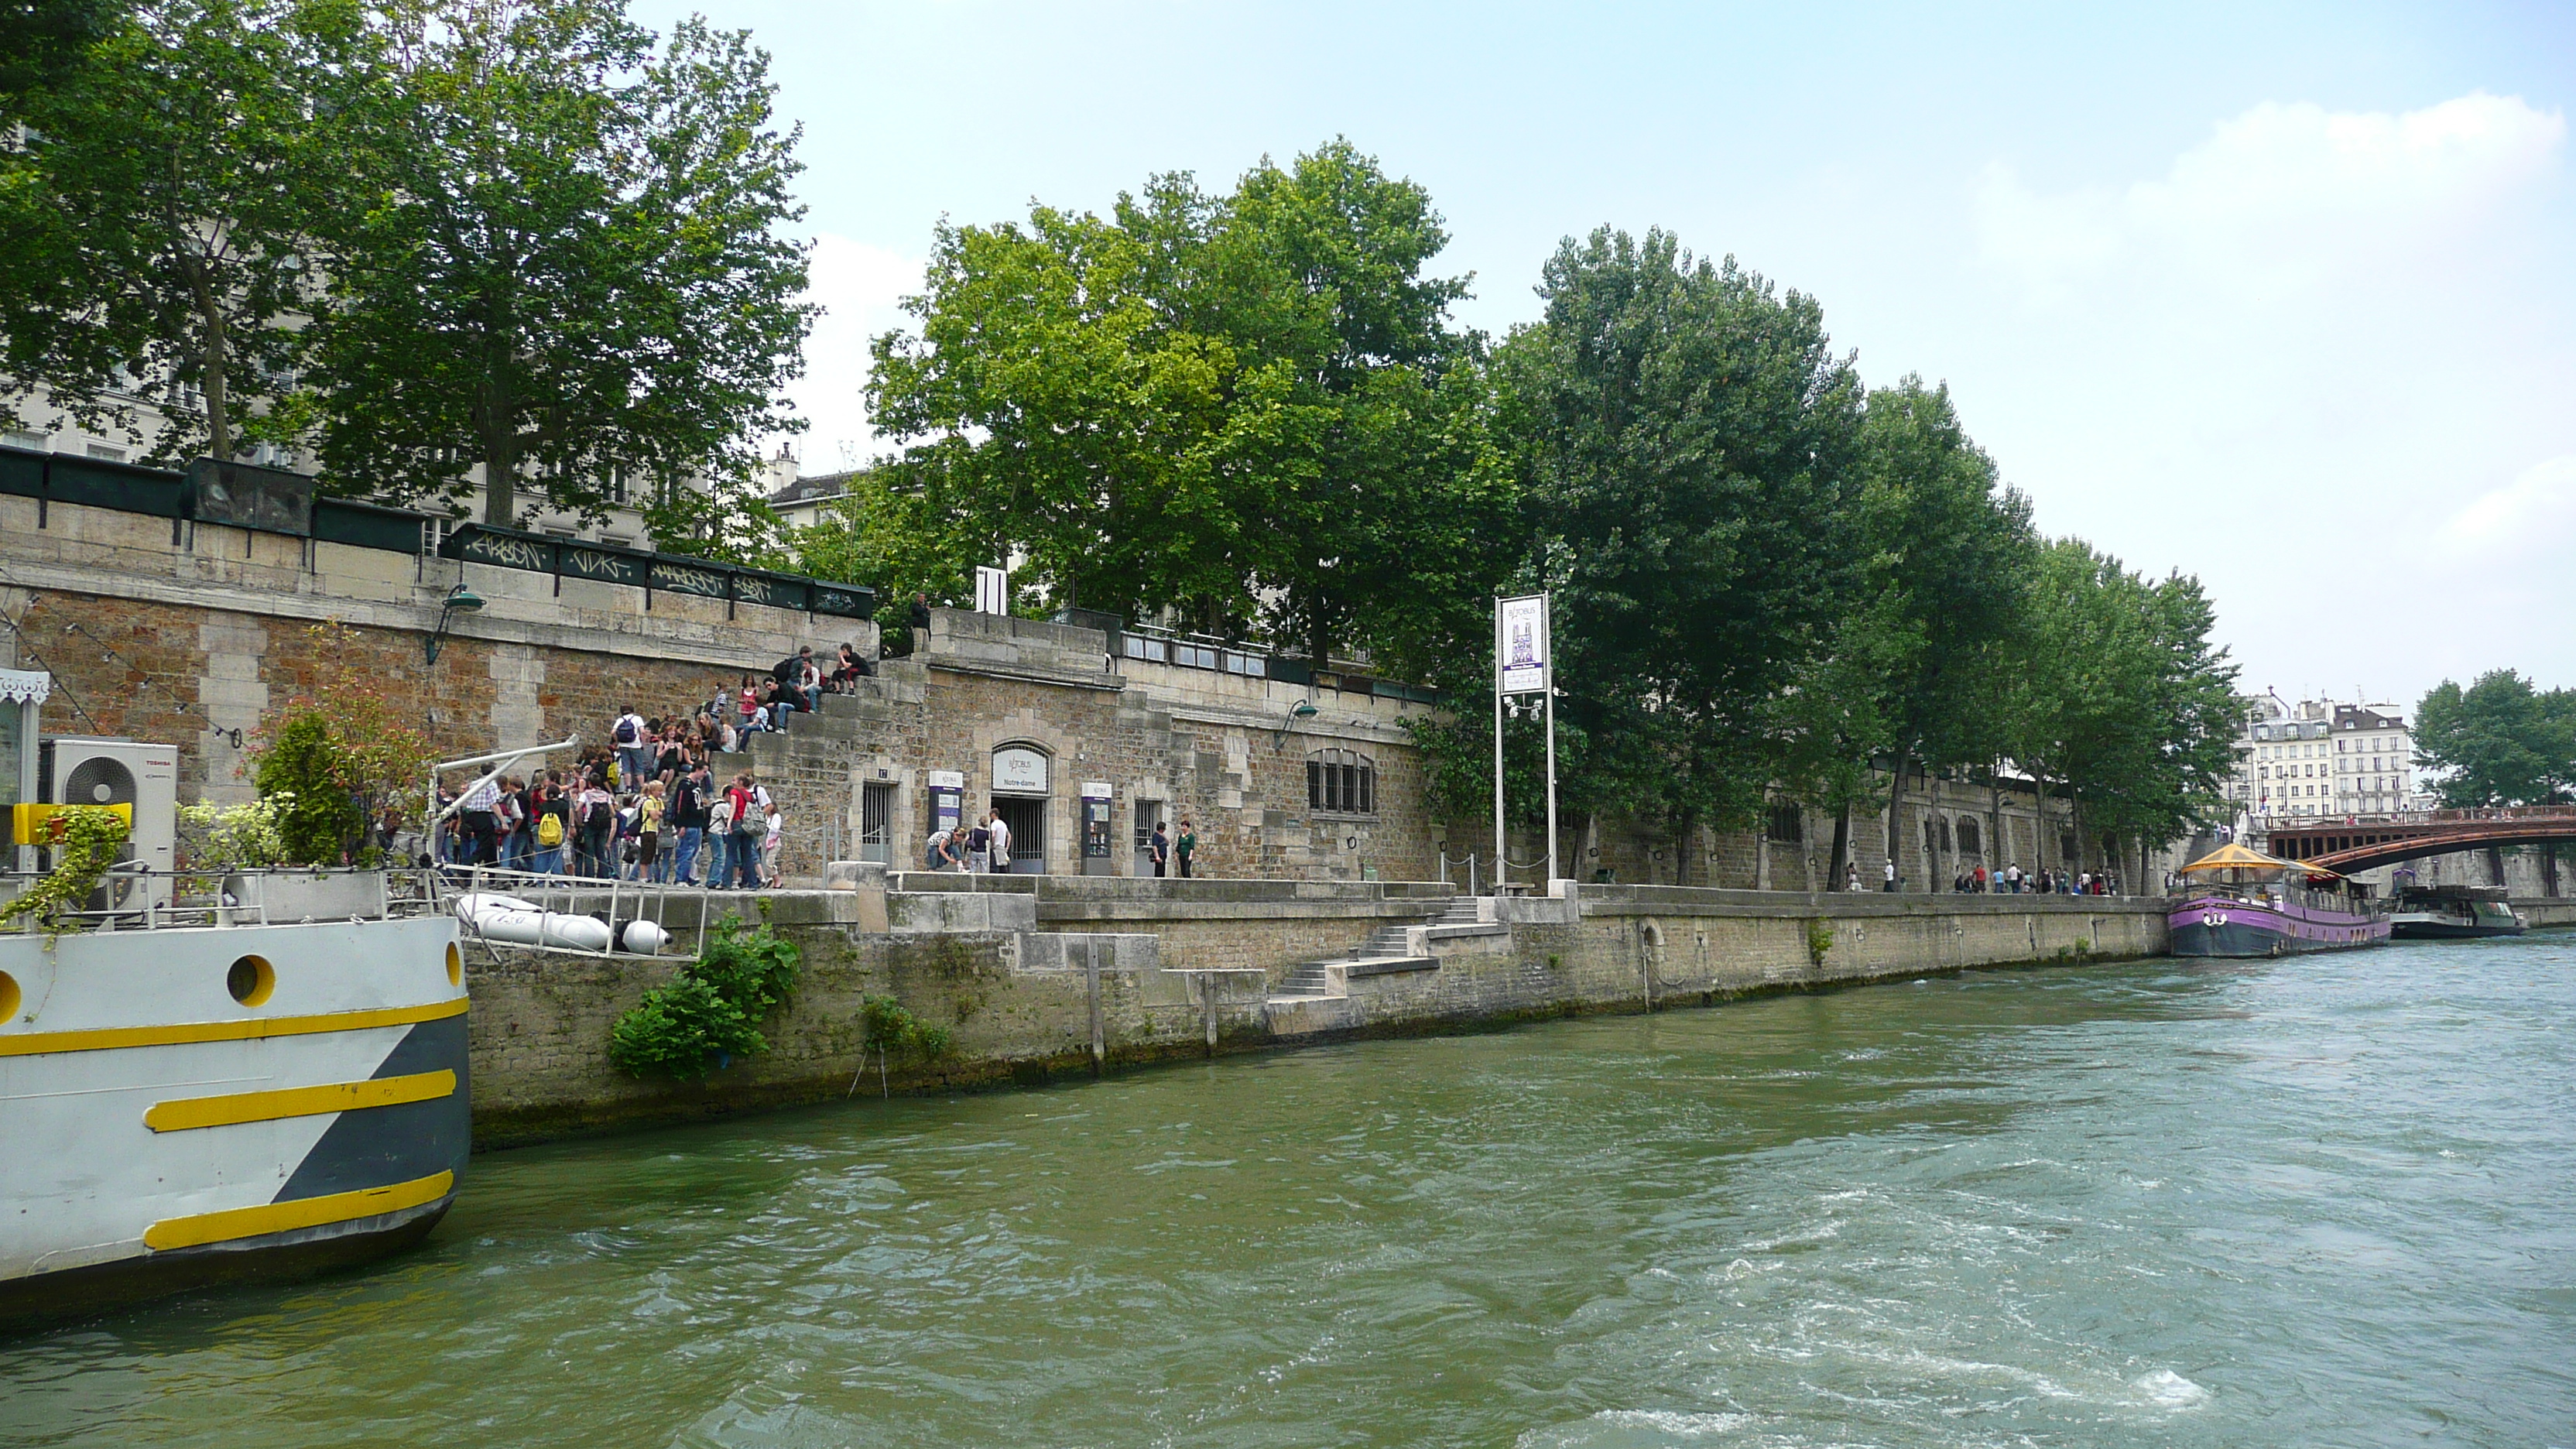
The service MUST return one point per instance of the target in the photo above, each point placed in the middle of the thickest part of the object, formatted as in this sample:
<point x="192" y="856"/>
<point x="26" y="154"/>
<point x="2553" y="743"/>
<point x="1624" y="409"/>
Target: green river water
<point x="2322" y="1201"/>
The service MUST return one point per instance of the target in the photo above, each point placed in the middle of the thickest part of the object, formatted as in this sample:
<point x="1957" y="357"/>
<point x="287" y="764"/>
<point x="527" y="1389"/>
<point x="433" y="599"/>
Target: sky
<point x="2283" y="297"/>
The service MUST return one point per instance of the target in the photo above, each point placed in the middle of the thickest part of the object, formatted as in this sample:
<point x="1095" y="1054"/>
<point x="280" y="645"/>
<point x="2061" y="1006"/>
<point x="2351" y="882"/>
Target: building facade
<point x="2321" y="759"/>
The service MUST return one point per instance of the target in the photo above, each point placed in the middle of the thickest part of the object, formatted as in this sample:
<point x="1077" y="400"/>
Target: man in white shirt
<point x="1000" y="849"/>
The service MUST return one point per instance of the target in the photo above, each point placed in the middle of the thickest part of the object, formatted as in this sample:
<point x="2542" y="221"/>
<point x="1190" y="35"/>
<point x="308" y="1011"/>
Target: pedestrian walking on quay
<point x="1890" y="883"/>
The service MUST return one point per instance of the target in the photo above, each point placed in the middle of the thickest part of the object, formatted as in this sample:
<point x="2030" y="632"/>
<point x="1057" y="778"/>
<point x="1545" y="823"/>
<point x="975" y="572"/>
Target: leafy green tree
<point x="2500" y="741"/>
<point x="889" y="532"/>
<point x="712" y="1010"/>
<point x="2116" y="692"/>
<point x="1240" y="408"/>
<point x="158" y="230"/>
<point x="569" y="269"/>
<point x="43" y="42"/>
<point x="1688" y="438"/>
<point x="1053" y="410"/>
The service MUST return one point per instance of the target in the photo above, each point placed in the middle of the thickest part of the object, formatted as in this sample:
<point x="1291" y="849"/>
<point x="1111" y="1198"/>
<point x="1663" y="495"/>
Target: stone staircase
<point x="1327" y="980"/>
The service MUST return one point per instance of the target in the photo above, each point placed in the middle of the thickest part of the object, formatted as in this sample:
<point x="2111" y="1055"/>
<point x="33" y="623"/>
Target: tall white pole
<point x="1551" y="769"/>
<point x="1547" y="685"/>
<point x="1499" y="857"/>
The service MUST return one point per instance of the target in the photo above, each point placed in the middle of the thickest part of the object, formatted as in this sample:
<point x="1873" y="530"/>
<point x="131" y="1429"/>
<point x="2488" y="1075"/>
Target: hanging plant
<point x="84" y="839"/>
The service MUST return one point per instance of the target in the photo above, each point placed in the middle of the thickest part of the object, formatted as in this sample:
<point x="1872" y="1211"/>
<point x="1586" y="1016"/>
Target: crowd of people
<point x="649" y="805"/>
<point x="2013" y="881"/>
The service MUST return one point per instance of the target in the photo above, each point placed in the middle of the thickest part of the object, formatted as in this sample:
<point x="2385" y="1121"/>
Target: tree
<point x="2115" y="690"/>
<point x="1053" y="411"/>
<point x="569" y="269"/>
<point x="42" y="42"/>
<point x="889" y="532"/>
<point x="1238" y="409"/>
<point x="2498" y="742"/>
<point x="1687" y="437"/>
<point x="160" y="225"/>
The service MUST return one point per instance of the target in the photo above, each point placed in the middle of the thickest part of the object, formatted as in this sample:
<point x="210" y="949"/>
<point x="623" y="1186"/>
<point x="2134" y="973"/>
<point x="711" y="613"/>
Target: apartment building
<point x="2321" y="759"/>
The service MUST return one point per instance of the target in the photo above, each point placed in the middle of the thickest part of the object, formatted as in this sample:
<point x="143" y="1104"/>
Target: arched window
<point x="1341" y="782"/>
<point x="1968" y="837"/>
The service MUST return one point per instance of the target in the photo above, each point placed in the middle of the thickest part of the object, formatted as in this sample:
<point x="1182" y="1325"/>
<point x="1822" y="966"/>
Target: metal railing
<point x="131" y="898"/>
<point x="615" y="903"/>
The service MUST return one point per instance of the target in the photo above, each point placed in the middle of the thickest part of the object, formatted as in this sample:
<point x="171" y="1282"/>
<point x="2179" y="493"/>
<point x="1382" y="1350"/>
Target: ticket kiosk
<point x="947" y="804"/>
<point x="1097" y="807"/>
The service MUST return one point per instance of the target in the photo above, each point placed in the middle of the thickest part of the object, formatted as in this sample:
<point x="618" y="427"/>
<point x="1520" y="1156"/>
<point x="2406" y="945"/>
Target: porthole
<point x="251" y="980"/>
<point x="455" y="965"/>
<point x="10" y="996"/>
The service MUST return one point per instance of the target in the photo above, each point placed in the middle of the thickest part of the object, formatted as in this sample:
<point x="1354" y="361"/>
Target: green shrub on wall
<point x="319" y="821"/>
<point x="712" y="1011"/>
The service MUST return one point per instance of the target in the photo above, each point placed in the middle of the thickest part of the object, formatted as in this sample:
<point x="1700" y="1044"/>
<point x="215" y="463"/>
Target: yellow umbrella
<point x="2232" y="856"/>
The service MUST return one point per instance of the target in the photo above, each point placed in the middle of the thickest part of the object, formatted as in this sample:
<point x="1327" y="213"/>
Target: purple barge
<point x="2269" y="907"/>
<point x="2213" y="923"/>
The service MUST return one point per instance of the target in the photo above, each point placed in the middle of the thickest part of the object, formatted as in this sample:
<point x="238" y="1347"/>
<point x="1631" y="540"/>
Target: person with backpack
<point x="979" y="850"/>
<point x="595" y="820"/>
<point x="750" y="825"/>
<point x="551" y="816"/>
<point x="634" y="758"/>
<point x="688" y="822"/>
<point x="720" y="841"/>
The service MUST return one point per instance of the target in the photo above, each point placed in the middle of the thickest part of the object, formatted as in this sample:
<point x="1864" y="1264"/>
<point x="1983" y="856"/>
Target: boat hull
<point x="171" y="1130"/>
<point x="2219" y="926"/>
<point x="2406" y="930"/>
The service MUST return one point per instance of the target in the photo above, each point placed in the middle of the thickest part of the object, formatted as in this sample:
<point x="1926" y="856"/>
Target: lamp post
<point x="459" y="600"/>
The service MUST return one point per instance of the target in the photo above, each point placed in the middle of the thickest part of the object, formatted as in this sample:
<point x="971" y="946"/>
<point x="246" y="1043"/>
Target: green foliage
<point x="570" y="267"/>
<point x="1246" y="409"/>
<point x="2115" y="689"/>
<point x="159" y="228"/>
<point x="317" y="819"/>
<point x="712" y="1009"/>
<point x="1820" y="939"/>
<point x="890" y="532"/>
<point x="2498" y="742"/>
<point x="216" y="840"/>
<point x="1686" y="435"/>
<point x="894" y="1030"/>
<point x="85" y="841"/>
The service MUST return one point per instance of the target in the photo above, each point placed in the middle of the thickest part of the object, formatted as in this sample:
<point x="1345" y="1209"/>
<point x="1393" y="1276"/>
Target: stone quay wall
<point x="1027" y="979"/>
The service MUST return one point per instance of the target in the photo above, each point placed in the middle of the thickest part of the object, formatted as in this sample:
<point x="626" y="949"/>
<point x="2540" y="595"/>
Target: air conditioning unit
<point x="80" y="770"/>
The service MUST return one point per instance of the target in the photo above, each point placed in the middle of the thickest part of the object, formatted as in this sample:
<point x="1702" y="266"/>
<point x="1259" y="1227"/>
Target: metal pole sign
<point x="1524" y="663"/>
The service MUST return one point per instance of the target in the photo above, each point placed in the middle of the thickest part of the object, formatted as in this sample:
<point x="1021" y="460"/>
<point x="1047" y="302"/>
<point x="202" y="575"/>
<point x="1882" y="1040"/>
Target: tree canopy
<point x="418" y="236"/>
<point x="2501" y="741"/>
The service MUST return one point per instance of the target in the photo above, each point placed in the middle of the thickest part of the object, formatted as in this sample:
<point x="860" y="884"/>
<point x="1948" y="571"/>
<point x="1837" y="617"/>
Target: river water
<point x="2329" y="1200"/>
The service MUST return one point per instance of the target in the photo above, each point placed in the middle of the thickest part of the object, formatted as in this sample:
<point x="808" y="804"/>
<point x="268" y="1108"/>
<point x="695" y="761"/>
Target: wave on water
<point x="2166" y="1389"/>
<point x="1614" y="1427"/>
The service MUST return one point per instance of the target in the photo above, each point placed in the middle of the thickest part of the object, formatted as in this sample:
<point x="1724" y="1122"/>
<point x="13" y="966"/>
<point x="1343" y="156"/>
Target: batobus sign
<point x="1524" y="664"/>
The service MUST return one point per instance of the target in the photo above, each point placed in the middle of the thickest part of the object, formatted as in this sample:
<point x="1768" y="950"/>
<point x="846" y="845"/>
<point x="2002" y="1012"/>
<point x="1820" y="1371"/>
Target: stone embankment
<point x="1037" y="978"/>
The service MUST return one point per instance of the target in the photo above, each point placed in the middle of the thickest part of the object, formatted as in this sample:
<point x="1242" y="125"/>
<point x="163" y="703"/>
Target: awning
<point x="2232" y="856"/>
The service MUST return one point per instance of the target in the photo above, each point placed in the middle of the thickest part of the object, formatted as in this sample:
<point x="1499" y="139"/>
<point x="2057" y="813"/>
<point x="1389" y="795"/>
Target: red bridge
<point x="2361" y="842"/>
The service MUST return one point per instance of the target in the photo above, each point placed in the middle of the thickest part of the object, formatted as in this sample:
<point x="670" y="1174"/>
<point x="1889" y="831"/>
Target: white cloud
<point x="2302" y="362"/>
<point x="2531" y="519"/>
<point x="860" y="287"/>
<point x="2278" y="203"/>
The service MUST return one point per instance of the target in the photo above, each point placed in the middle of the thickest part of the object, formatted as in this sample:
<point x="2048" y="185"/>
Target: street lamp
<point x="459" y="600"/>
<point x="1302" y="710"/>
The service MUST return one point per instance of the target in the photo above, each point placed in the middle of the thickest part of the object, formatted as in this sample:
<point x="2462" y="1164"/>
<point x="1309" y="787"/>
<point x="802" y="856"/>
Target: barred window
<point x="1341" y="782"/>
<point x="1785" y="824"/>
<point x="1969" y="840"/>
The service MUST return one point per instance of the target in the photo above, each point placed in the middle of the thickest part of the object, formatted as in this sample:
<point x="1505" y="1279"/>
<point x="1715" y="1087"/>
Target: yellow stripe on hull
<point x="37" y="1043"/>
<point x="303" y="1212"/>
<point x="224" y="1111"/>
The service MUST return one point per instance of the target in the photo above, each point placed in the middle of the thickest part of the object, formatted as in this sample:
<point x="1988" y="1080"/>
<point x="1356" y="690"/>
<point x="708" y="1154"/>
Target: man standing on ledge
<point x="1181" y="848"/>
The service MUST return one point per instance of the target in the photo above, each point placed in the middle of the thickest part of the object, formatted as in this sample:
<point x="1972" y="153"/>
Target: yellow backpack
<point x="549" y="830"/>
